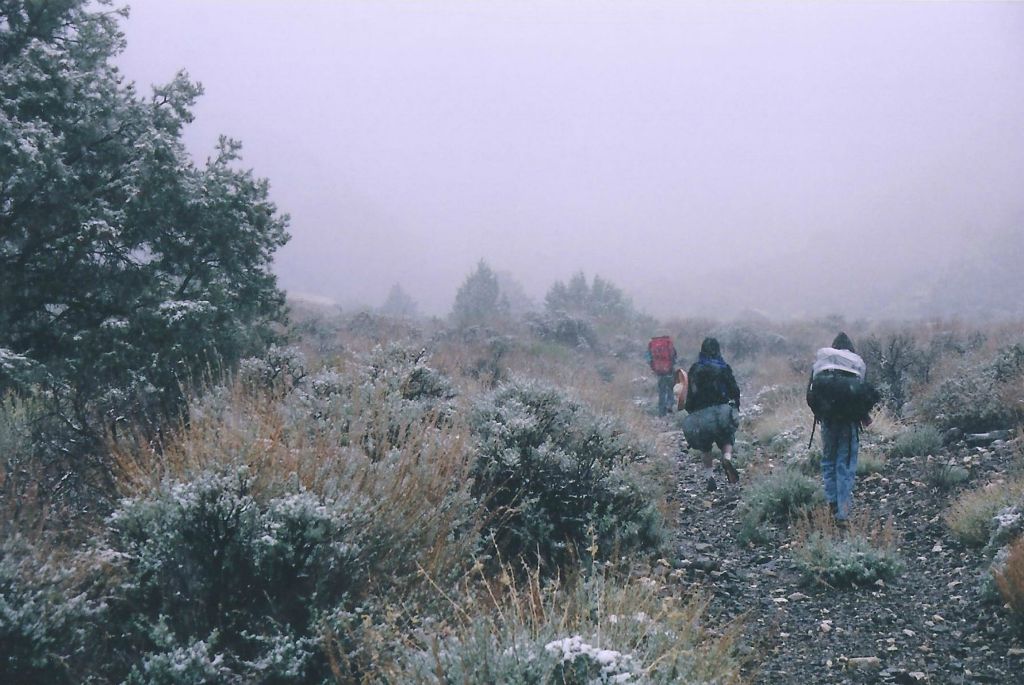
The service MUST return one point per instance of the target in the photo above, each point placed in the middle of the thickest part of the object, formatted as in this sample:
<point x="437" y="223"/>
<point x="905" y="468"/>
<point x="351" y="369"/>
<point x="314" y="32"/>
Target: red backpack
<point x="662" y="353"/>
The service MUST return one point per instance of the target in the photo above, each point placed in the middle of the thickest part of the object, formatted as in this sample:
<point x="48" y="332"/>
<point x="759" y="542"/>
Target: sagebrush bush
<point x="597" y="629"/>
<point x="778" y="497"/>
<point x="391" y="397"/>
<point x="42" y="623"/>
<point x="945" y="475"/>
<point x="862" y="555"/>
<point x="870" y="461"/>
<point x="970" y="516"/>
<point x="916" y="442"/>
<point x="973" y="399"/>
<point x="557" y="478"/>
<point x="207" y="566"/>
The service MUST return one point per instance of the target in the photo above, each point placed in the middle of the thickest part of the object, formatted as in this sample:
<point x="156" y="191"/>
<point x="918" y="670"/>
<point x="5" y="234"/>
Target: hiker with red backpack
<point x="841" y="399"/>
<point x="661" y="356"/>
<point x="713" y="406"/>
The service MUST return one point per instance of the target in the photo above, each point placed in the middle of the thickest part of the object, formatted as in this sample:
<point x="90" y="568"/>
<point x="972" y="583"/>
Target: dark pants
<point x="666" y="398"/>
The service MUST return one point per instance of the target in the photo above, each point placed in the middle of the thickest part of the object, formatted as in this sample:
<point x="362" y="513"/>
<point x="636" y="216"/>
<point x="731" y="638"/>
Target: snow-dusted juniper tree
<point x="125" y="268"/>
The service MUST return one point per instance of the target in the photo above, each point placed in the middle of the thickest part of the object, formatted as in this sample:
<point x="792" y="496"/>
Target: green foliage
<point x="779" y="497"/>
<point x="557" y="478"/>
<point x="125" y="269"/>
<point x="845" y="561"/>
<point x="918" y="441"/>
<point x="41" y="627"/>
<point x="478" y="300"/>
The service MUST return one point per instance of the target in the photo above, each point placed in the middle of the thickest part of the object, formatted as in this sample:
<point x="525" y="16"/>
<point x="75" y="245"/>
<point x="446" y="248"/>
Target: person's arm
<point x="732" y="387"/>
<point x="691" y="390"/>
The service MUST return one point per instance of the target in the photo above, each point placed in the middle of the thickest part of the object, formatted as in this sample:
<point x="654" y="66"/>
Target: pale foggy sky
<point x="790" y="157"/>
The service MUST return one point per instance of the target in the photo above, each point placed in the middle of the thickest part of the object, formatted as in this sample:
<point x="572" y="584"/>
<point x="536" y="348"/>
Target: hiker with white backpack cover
<point x="841" y="399"/>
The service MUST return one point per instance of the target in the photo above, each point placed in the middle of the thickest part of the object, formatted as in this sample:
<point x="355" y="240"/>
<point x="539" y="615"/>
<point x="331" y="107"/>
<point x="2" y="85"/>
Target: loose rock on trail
<point x="927" y="625"/>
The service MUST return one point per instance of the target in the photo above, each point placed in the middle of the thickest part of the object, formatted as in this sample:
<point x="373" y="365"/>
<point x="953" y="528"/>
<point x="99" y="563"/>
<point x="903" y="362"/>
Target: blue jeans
<point x="839" y="445"/>
<point x="666" y="398"/>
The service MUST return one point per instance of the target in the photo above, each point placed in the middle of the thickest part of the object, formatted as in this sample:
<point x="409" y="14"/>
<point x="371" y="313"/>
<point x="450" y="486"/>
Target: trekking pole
<point x="813" y="426"/>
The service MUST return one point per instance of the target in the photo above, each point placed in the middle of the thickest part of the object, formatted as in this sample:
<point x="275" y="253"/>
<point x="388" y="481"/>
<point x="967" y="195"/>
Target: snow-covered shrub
<point x="973" y="399"/>
<point x="395" y="396"/>
<point x="208" y="558"/>
<point x="278" y="370"/>
<point x="742" y="341"/>
<point x="557" y="478"/>
<point x="42" y="628"/>
<point x="562" y="328"/>
<point x="193" y="662"/>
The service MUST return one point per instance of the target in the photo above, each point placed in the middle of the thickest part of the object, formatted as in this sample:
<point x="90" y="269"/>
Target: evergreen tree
<point x="124" y="267"/>
<point x="399" y="303"/>
<point x="478" y="300"/>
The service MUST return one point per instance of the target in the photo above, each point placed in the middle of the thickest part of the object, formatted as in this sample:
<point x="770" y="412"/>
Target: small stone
<point x="908" y="632"/>
<point x="825" y="626"/>
<point x="864" y="663"/>
<point x="797" y="597"/>
<point x="1015" y="651"/>
<point x="780" y="600"/>
<point x="917" y="675"/>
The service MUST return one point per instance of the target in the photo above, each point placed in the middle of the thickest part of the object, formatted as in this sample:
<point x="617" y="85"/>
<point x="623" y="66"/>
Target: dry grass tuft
<point x="862" y="554"/>
<point x="1010" y="580"/>
<point x="970" y="515"/>
<point x="529" y="630"/>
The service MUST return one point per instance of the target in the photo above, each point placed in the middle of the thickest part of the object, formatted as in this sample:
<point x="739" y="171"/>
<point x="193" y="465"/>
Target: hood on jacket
<point x="843" y="342"/>
<point x="710" y="348"/>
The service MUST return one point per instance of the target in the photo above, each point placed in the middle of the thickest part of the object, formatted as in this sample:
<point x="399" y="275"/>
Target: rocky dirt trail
<point x="928" y="625"/>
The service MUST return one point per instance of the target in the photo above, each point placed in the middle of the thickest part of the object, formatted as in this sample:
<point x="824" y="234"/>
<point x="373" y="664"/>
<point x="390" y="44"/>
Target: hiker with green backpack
<point x="713" y="406"/>
<point x="841" y="399"/>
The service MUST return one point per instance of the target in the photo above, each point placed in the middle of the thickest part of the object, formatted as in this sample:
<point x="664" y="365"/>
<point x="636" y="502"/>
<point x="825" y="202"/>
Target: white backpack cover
<point x="843" y="360"/>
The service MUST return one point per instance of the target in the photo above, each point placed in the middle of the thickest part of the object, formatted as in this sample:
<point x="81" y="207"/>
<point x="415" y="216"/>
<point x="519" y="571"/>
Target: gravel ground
<point x="928" y="625"/>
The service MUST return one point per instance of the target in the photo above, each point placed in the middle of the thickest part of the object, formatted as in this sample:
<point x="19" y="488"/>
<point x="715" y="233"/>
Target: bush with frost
<point x="559" y="479"/>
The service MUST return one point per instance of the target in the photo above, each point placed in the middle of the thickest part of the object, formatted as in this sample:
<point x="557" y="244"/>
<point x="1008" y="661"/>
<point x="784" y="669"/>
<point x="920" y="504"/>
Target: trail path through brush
<point x="928" y="625"/>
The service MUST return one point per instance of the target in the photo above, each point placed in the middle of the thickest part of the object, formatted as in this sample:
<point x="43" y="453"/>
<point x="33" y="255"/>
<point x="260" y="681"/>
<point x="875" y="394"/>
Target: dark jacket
<point x="711" y="383"/>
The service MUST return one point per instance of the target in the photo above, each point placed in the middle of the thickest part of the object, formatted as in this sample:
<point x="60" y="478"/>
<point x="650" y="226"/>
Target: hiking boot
<point x="731" y="474"/>
<point x="842" y="526"/>
<point x="711" y="485"/>
<point x="833" y="509"/>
